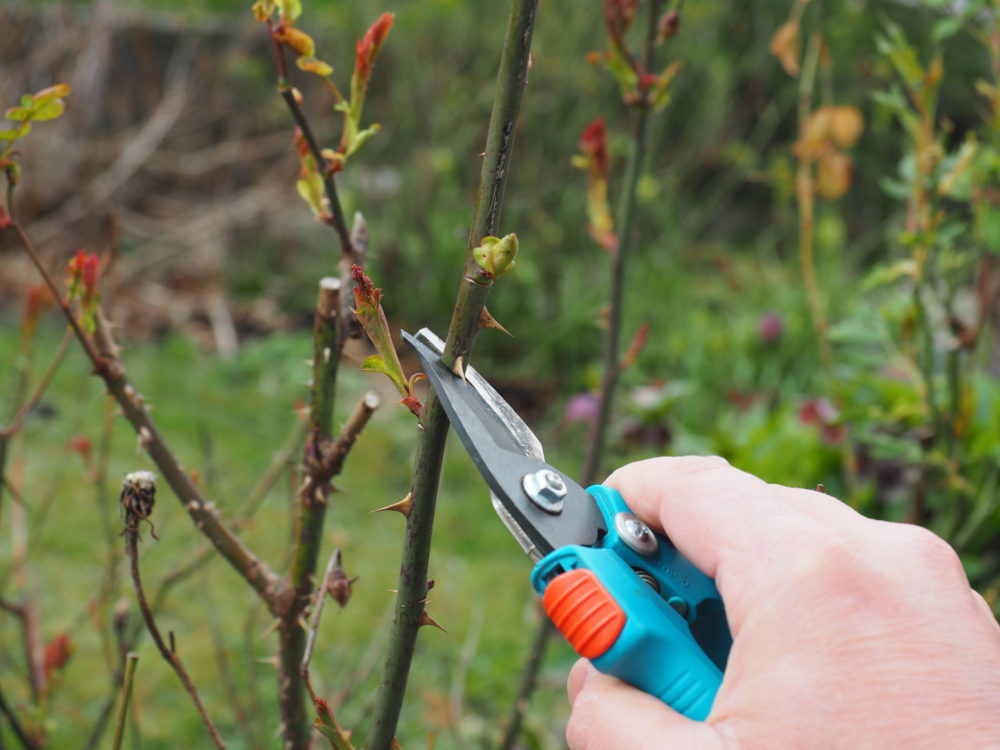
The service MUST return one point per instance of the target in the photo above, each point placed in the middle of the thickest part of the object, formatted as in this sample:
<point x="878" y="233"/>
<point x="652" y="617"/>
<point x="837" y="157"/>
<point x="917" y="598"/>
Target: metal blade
<point x="505" y="451"/>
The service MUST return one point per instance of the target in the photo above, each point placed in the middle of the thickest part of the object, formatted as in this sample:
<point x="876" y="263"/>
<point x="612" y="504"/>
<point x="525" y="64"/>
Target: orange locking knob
<point x="583" y="610"/>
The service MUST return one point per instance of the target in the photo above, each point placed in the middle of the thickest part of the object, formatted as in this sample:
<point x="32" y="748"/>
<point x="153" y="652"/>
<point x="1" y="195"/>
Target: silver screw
<point x="546" y="490"/>
<point x="636" y="534"/>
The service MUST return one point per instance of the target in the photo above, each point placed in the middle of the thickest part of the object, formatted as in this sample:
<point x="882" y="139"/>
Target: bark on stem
<point x="123" y="702"/>
<point x="472" y="295"/>
<point x="103" y="355"/>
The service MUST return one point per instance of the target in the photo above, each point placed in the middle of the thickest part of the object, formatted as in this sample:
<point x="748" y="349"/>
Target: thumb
<point x="607" y="714"/>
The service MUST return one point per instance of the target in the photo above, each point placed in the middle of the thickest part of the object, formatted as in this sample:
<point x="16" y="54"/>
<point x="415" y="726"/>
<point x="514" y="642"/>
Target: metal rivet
<point x="636" y="534"/>
<point x="679" y="605"/>
<point x="546" y="489"/>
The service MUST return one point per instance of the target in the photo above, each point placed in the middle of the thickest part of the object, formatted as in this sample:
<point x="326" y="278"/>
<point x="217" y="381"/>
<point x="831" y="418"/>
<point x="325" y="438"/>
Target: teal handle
<point x="675" y="640"/>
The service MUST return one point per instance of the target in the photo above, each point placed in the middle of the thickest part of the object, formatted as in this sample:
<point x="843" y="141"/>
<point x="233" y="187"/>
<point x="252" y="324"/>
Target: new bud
<point x="497" y="254"/>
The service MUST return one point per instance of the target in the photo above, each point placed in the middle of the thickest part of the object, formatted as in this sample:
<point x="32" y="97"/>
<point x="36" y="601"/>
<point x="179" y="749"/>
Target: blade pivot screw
<point x="546" y="489"/>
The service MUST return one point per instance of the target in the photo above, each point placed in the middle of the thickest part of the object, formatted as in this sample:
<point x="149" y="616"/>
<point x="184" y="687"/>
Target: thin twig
<point x="319" y="601"/>
<point x="170" y="656"/>
<point x="26" y="740"/>
<point x="103" y="355"/>
<point x="131" y="660"/>
<point x="611" y="356"/>
<point x="475" y="287"/>
<point x="17" y="421"/>
<point x="611" y="367"/>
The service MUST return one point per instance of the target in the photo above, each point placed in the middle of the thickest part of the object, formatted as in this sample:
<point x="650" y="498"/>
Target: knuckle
<point x="928" y="547"/>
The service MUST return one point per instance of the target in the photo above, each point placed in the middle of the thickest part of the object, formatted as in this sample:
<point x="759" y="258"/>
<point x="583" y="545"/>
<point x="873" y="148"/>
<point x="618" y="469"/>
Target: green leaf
<point x="946" y="27"/>
<point x="375" y="363"/>
<point x="48" y="110"/>
<point x="290" y="9"/>
<point x="19" y="113"/>
<point x="14" y="133"/>
<point x="989" y="228"/>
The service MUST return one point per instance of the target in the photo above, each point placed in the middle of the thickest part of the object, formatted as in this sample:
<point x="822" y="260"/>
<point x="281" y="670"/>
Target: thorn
<point x="426" y="619"/>
<point x="404" y="506"/>
<point x="270" y="628"/>
<point x="272" y="660"/>
<point x="393" y="591"/>
<point x="819" y="487"/>
<point x="430" y="584"/>
<point x="458" y="369"/>
<point x="173" y="641"/>
<point x="303" y="624"/>
<point x="488" y="321"/>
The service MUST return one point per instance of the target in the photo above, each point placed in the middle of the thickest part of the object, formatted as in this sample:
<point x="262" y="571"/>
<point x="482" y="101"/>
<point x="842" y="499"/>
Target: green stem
<point x="611" y="355"/>
<point x="126" y="697"/>
<point x="469" y="305"/>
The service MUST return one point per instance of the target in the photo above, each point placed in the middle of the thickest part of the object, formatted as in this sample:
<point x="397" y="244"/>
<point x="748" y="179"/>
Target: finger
<point x="728" y="522"/>
<point x="610" y="715"/>
<point x="578" y="675"/>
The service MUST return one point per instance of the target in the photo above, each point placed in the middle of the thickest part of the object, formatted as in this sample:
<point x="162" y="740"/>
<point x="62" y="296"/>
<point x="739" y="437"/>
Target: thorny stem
<point x="103" y="355"/>
<point x="311" y="513"/>
<point x="169" y="655"/>
<point x="805" y="200"/>
<point x="306" y="549"/>
<point x="131" y="660"/>
<point x="412" y="587"/>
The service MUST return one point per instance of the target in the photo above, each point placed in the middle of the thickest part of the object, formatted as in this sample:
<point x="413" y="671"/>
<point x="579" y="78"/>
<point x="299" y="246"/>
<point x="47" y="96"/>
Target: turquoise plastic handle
<point x="675" y="640"/>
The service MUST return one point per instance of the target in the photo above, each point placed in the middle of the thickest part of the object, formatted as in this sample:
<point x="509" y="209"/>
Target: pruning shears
<point x="622" y="595"/>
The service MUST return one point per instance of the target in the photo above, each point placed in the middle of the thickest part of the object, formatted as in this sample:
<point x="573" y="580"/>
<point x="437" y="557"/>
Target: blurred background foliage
<point x="175" y="131"/>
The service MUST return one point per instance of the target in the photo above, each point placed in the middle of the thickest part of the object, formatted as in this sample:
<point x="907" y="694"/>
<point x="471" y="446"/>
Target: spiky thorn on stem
<point x="465" y="322"/>
<point x="103" y="355"/>
<point x="324" y="459"/>
<point x="138" y="493"/>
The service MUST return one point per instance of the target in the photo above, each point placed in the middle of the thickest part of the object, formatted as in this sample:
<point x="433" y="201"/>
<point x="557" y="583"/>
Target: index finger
<point x="731" y="525"/>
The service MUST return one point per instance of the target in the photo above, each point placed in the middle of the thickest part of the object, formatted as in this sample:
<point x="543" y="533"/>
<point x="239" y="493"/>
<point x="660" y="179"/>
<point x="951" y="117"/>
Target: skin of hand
<point x="847" y="632"/>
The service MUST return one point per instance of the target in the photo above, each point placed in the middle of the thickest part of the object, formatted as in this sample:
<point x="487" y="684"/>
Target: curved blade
<point x="505" y="450"/>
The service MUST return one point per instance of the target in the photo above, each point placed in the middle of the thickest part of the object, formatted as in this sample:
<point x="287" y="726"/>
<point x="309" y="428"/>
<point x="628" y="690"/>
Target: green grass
<point x="244" y="407"/>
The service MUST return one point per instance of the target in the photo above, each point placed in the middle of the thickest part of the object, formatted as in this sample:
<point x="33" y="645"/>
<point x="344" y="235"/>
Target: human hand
<point x="848" y="632"/>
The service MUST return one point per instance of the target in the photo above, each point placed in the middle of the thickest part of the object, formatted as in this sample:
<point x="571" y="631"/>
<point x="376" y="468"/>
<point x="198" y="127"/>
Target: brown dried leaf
<point x="785" y="46"/>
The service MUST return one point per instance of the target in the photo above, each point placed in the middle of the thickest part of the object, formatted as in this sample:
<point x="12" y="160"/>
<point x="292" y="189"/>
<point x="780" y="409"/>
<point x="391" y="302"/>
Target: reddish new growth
<point x="56" y="654"/>
<point x="83" y="269"/>
<point x="5" y="220"/>
<point x="368" y="45"/>
<point x="594" y="144"/>
<point x="35" y="302"/>
<point x="366" y="296"/>
<point x="618" y="15"/>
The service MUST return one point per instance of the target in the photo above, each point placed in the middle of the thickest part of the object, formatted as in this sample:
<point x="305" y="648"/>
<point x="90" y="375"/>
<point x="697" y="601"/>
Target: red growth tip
<point x="369" y="44"/>
<point x="83" y="267"/>
<point x="366" y="296"/>
<point x="594" y="144"/>
<point x="618" y="15"/>
<point x="56" y="654"/>
<point x="5" y="220"/>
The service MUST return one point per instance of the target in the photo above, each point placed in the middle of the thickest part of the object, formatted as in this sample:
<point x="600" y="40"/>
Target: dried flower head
<point x="137" y="499"/>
